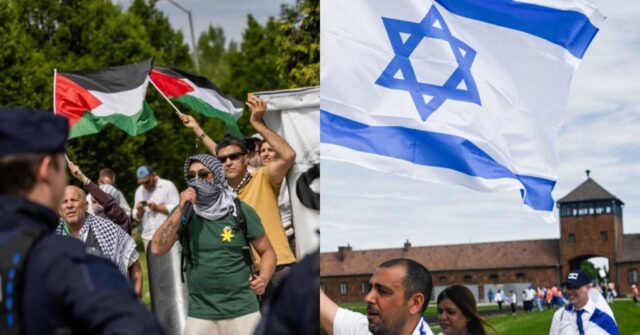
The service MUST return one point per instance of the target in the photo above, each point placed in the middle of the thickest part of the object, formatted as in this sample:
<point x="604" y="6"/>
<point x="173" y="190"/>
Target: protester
<point x="108" y="177"/>
<point x="221" y="290"/>
<point x="103" y="200"/>
<point x="253" y="145"/>
<point x="400" y="293"/>
<point x="458" y="313"/>
<point x="582" y="315"/>
<point x="284" y="201"/>
<point x="259" y="189"/>
<point x="101" y="236"/>
<point x="155" y="198"/>
<point x="61" y="289"/>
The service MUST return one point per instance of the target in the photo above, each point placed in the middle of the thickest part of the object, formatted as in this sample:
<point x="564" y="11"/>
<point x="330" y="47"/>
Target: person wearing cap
<point x="61" y="288"/>
<point x="582" y="316"/>
<point x="155" y="198"/>
<point x="260" y="188"/>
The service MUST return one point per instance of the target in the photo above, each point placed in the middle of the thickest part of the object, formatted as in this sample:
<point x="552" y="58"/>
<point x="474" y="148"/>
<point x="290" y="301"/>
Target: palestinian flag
<point x="92" y="99"/>
<point x="199" y="94"/>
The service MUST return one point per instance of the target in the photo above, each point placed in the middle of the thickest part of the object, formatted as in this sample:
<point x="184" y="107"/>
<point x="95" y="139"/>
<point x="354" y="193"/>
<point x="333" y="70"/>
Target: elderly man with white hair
<point x="101" y="236"/>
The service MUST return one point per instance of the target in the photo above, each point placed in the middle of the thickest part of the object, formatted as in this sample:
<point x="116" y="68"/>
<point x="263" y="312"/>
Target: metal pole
<point x="196" y="56"/>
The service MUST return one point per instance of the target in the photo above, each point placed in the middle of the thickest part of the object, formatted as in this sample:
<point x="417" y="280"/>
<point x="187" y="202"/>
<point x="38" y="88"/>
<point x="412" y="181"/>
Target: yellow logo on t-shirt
<point x="227" y="234"/>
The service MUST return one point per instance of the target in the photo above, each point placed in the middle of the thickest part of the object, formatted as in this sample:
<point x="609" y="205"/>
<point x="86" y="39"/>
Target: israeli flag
<point x="469" y="92"/>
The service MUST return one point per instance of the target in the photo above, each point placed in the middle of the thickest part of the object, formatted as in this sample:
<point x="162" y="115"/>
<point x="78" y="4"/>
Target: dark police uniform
<point x="65" y="290"/>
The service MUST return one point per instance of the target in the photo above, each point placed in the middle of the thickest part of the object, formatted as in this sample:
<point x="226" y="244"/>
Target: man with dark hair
<point x="50" y="284"/>
<point x="253" y="151"/>
<point x="400" y="293"/>
<point x="108" y="177"/>
<point x="260" y="188"/>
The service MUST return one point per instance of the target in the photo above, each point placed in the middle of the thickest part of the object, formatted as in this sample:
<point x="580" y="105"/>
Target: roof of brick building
<point x="588" y="190"/>
<point x="491" y="255"/>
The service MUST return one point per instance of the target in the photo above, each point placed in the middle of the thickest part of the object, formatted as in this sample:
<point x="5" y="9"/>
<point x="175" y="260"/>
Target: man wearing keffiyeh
<point x="102" y="237"/>
<point x="221" y="289"/>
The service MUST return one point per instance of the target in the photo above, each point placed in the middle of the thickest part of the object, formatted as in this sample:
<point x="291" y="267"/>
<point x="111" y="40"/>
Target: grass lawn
<point x="536" y="323"/>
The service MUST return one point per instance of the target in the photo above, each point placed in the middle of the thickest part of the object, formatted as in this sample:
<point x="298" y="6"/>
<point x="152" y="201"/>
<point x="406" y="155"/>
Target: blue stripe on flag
<point x="604" y="321"/>
<point x="429" y="149"/>
<point x="569" y="29"/>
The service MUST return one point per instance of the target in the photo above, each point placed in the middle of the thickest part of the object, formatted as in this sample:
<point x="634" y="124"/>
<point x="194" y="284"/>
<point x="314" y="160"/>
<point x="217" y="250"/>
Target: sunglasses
<point x="234" y="157"/>
<point x="202" y="174"/>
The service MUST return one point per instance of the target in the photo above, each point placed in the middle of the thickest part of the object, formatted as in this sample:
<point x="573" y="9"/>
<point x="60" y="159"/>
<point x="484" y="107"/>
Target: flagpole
<point x="178" y="112"/>
<point x="55" y="72"/>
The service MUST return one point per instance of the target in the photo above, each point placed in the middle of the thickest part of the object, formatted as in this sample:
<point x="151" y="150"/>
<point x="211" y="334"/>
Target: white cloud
<point x="602" y="133"/>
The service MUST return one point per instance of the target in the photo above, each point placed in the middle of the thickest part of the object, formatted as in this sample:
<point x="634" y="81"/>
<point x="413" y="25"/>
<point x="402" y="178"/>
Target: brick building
<point x="590" y="226"/>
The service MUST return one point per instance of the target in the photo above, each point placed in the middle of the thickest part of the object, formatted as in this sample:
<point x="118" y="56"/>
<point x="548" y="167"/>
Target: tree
<point x="299" y="44"/>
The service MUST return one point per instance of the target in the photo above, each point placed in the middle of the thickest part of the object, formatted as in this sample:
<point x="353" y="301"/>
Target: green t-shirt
<point x="218" y="279"/>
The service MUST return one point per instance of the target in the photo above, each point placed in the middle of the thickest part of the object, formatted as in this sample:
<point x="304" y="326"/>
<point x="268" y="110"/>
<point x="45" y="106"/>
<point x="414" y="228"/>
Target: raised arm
<point x="328" y="310"/>
<point x="111" y="209"/>
<point x="279" y="167"/>
<point x="189" y="122"/>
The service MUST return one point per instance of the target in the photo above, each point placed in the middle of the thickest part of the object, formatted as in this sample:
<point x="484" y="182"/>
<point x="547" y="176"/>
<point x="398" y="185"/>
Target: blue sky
<point x="602" y="134"/>
<point x="231" y="15"/>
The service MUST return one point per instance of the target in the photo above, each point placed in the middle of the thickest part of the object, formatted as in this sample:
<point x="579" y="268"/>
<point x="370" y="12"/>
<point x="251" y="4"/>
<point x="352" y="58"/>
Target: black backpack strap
<point x="13" y="256"/>
<point x="241" y="222"/>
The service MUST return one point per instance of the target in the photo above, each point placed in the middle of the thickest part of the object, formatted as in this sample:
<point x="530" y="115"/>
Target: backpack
<point x="13" y="256"/>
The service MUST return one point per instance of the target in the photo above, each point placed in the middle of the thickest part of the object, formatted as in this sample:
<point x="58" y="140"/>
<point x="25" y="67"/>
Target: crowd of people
<point x="238" y="242"/>
<point x="400" y="293"/>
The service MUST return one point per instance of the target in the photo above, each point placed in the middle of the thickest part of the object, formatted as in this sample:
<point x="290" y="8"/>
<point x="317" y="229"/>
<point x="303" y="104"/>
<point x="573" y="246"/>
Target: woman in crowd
<point x="458" y="314"/>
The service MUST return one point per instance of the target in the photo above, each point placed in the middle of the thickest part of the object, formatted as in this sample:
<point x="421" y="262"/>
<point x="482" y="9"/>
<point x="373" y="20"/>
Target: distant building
<point x="590" y="226"/>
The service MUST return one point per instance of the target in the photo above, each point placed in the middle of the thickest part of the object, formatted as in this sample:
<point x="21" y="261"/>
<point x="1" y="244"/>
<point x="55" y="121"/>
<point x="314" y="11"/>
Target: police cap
<point x="26" y="130"/>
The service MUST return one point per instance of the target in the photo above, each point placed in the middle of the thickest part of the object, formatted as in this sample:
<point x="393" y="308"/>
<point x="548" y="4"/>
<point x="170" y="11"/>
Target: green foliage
<point x="39" y="36"/>
<point x="299" y="57"/>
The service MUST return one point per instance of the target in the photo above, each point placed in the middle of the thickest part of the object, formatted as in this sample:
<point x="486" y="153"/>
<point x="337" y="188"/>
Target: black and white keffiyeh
<point x="114" y="242"/>
<point x="214" y="199"/>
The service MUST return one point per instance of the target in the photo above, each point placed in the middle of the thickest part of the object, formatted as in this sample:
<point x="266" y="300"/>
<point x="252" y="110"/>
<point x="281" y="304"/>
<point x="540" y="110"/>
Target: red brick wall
<point x="587" y="230"/>
<point x="624" y="286"/>
<point x="545" y="276"/>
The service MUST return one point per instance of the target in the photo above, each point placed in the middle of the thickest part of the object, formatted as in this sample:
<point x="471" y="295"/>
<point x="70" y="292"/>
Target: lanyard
<point x="66" y="229"/>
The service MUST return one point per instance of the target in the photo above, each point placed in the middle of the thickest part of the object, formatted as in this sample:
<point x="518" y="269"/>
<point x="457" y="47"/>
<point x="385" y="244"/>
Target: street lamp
<point x="193" y="40"/>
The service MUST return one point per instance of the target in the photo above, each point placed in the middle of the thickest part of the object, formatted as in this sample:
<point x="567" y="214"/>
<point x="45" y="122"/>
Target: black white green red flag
<point x="91" y="99"/>
<point x="199" y="94"/>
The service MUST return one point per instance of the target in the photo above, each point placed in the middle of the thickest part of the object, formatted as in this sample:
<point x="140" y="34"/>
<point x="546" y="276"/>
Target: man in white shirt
<point x="583" y="316"/>
<point x="400" y="292"/>
<point x="155" y="198"/>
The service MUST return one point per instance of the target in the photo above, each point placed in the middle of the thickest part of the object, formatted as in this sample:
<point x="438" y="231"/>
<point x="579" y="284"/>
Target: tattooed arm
<point x="167" y="234"/>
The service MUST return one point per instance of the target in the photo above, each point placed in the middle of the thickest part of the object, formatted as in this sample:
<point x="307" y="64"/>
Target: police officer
<point x="584" y="315"/>
<point x="54" y="287"/>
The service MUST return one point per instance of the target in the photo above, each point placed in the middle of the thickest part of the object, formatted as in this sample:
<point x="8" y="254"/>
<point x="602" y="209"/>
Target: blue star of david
<point x="463" y="54"/>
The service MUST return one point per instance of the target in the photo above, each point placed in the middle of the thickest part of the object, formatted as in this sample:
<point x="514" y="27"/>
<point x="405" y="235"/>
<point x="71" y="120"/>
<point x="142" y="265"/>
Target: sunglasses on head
<point x="202" y="174"/>
<point x="234" y="156"/>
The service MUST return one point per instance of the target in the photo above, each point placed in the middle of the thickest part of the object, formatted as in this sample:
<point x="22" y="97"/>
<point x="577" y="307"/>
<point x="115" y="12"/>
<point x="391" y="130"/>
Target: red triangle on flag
<point x="170" y="86"/>
<point x="73" y="100"/>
